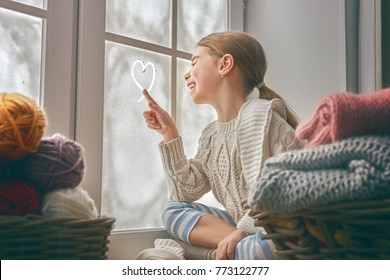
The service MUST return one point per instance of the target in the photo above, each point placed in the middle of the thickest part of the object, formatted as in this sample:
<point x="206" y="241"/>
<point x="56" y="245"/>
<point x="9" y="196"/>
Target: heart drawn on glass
<point x="143" y="69"/>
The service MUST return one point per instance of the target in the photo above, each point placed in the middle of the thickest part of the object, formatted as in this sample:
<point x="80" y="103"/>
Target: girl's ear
<point x="226" y="64"/>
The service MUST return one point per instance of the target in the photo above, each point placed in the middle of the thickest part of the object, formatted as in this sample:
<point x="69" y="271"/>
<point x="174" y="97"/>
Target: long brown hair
<point x="249" y="58"/>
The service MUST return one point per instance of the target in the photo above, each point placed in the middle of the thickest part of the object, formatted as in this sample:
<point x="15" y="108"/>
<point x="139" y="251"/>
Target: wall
<point x="305" y="46"/>
<point x="385" y="46"/>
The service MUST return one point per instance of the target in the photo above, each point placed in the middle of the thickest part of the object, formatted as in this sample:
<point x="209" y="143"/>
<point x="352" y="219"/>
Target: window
<point x="21" y="49"/>
<point x="154" y="55"/>
<point x="85" y="62"/>
<point x="123" y="154"/>
<point x="38" y="55"/>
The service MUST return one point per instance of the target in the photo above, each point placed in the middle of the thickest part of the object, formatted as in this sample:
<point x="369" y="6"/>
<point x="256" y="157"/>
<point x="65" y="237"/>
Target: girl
<point x="226" y="67"/>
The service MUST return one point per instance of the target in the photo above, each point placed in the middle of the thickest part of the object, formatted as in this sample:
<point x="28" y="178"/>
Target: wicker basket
<point x="36" y="237"/>
<point x="350" y="230"/>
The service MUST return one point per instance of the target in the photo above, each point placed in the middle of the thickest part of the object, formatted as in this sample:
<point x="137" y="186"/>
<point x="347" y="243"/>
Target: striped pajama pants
<point x="179" y="218"/>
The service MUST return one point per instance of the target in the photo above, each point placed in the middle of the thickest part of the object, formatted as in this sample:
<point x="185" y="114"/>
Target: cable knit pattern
<point x="341" y="115"/>
<point x="230" y="157"/>
<point x="351" y="169"/>
<point x="251" y="139"/>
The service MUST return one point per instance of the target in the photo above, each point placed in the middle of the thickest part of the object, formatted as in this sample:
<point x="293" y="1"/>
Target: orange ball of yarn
<point x="22" y="125"/>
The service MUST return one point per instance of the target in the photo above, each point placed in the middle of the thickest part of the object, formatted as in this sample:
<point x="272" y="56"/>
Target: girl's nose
<point x="186" y="76"/>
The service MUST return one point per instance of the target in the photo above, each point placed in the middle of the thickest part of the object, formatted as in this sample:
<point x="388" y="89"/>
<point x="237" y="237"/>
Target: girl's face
<point x="203" y="78"/>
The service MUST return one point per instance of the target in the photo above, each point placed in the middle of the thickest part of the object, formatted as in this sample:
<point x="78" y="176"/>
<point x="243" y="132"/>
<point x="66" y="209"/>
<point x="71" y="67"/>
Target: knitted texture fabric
<point x="157" y="254"/>
<point x="164" y="249"/>
<point x="230" y="157"/>
<point x="341" y="115"/>
<point x="170" y="245"/>
<point x="193" y="252"/>
<point x="18" y="198"/>
<point x="351" y="169"/>
<point x="22" y="125"/>
<point x="73" y="202"/>
<point x="58" y="163"/>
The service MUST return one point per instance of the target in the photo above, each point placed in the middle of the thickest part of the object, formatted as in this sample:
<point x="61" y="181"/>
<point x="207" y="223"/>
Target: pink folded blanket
<point x="345" y="114"/>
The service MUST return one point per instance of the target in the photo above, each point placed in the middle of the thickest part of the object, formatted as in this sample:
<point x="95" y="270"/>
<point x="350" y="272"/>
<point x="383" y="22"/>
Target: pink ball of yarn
<point x="57" y="164"/>
<point x="18" y="198"/>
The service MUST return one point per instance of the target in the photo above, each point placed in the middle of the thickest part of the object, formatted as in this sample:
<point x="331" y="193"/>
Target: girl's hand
<point x="158" y="119"/>
<point x="225" y="249"/>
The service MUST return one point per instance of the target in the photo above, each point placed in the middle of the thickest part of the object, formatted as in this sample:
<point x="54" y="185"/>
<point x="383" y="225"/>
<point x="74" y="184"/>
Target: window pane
<point x="36" y="3"/>
<point x="146" y="20"/>
<point x="20" y="53"/>
<point x="198" y="18"/>
<point x="134" y="186"/>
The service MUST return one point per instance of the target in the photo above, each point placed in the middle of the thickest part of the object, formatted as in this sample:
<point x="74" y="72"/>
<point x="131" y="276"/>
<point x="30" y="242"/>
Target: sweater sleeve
<point x="186" y="178"/>
<point x="247" y="224"/>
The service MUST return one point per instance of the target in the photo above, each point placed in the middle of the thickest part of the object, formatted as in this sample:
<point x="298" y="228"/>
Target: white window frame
<point x="58" y="75"/>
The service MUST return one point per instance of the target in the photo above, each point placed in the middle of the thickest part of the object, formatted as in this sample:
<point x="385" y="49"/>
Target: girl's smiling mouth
<point x="191" y="86"/>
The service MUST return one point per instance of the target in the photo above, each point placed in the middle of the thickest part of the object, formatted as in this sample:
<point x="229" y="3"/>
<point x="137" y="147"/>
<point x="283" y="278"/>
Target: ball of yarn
<point x="73" y="202"/>
<point x="18" y="198"/>
<point x="58" y="163"/>
<point x="22" y="125"/>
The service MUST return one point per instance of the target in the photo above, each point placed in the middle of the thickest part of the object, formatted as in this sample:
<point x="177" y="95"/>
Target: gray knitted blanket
<point x="351" y="169"/>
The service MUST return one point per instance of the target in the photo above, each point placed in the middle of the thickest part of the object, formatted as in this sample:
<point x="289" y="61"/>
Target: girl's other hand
<point x="159" y="120"/>
<point x="225" y="249"/>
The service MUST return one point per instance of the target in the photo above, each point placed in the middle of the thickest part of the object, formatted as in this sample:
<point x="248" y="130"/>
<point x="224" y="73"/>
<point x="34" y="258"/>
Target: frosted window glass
<point x="134" y="186"/>
<point x="191" y="120"/>
<point x="34" y="3"/>
<point x="20" y="53"/>
<point x="198" y="18"/>
<point x="146" y="20"/>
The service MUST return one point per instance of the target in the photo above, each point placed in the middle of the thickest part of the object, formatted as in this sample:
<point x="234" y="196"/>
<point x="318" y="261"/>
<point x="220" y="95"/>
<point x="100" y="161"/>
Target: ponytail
<point x="269" y="94"/>
<point x="249" y="58"/>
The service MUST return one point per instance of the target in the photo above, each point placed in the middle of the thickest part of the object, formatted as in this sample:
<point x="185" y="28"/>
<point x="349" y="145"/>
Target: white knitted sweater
<point x="230" y="157"/>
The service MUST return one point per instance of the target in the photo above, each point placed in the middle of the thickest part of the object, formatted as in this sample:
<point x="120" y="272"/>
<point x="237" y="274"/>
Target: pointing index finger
<point x="149" y="98"/>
